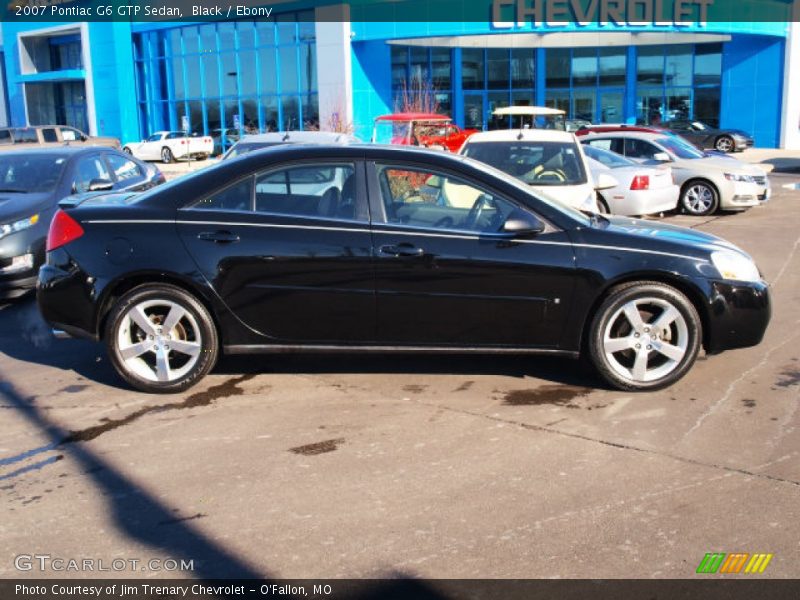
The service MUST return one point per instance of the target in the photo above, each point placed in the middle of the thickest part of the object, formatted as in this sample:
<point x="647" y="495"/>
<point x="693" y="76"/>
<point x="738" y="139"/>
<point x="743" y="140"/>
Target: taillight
<point x="63" y="230"/>
<point x="641" y="182"/>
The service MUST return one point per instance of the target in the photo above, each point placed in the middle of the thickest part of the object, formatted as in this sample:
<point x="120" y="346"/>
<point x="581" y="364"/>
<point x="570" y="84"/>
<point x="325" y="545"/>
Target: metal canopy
<point x="563" y="39"/>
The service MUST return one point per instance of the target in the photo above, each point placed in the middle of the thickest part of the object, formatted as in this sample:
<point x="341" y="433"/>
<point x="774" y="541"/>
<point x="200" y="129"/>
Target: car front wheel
<point x="645" y="336"/>
<point x="127" y="150"/>
<point x="161" y="339"/>
<point x="699" y="198"/>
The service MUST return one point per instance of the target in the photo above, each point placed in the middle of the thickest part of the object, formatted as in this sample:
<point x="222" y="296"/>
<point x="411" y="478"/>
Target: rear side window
<point x="124" y="168"/>
<point x="635" y="148"/>
<point x="320" y="191"/>
<point x="49" y="135"/>
<point x="25" y="136"/>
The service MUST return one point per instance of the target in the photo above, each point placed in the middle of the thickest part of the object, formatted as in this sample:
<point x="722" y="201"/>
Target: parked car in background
<point x="708" y="183"/>
<point x="546" y="159"/>
<point x="266" y="140"/>
<point x="428" y="130"/>
<point x="706" y="137"/>
<point x="573" y="125"/>
<point x="31" y="184"/>
<point x="642" y="190"/>
<point x="378" y="263"/>
<point x="14" y="138"/>
<point x="169" y="146"/>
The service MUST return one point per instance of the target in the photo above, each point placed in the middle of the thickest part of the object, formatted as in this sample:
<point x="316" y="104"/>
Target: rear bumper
<point x="646" y="202"/>
<point x="738" y="315"/>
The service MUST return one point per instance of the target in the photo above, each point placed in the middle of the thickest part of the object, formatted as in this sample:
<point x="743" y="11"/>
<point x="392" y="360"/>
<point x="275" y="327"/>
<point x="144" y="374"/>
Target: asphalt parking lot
<point x="333" y="466"/>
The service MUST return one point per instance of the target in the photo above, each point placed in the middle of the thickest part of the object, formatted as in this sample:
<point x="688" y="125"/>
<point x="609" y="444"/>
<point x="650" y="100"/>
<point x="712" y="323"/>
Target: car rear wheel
<point x="161" y="339"/>
<point x="645" y="336"/>
<point x="699" y="198"/>
<point x="602" y="205"/>
<point x="166" y="156"/>
<point x="725" y="143"/>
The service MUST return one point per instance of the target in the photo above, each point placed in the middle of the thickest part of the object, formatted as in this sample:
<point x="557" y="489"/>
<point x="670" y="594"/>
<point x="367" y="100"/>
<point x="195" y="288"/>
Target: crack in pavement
<point x="714" y="407"/>
<point x="618" y="445"/>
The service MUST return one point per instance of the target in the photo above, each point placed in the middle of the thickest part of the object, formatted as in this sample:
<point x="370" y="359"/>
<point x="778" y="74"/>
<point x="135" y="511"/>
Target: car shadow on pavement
<point x="22" y="321"/>
<point x="146" y="520"/>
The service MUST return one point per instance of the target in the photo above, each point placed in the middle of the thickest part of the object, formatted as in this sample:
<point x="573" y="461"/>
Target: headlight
<point x="735" y="266"/>
<point x="8" y="228"/>
<point x="737" y="177"/>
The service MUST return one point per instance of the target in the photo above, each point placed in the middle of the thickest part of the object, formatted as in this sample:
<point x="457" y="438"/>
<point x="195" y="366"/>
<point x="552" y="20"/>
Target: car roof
<point x="299" y="137"/>
<point x="413" y="116"/>
<point x="64" y="150"/>
<point x="520" y="135"/>
<point x="624" y="133"/>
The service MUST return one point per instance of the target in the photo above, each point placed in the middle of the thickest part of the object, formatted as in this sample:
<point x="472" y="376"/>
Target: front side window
<point x="69" y="135"/>
<point x="431" y="200"/>
<point x="326" y="191"/>
<point x="156" y="137"/>
<point x="536" y="163"/>
<point x="236" y="197"/>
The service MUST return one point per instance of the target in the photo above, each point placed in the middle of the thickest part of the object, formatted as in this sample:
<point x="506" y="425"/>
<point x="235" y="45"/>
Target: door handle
<point x="219" y="237"/>
<point x="404" y="250"/>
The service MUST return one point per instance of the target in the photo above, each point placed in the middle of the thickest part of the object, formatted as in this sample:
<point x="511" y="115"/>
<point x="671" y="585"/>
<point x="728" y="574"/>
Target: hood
<point x="726" y="164"/>
<point x="739" y="132"/>
<point x="673" y="235"/>
<point x="14" y="207"/>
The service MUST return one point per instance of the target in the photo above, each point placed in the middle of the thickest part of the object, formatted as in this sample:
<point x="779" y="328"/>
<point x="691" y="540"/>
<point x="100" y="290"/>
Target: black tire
<point x="725" y="143"/>
<point x="608" y="317"/>
<point x="197" y="317"/>
<point x="202" y="157"/>
<point x="694" y="200"/>
<point x="602" y="205"/>
<point x="127" y="150"/>
<point x="166" y="155"/>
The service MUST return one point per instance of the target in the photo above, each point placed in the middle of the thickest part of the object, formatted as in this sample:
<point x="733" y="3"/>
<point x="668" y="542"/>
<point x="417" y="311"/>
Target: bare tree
<point x="417" y="95"/>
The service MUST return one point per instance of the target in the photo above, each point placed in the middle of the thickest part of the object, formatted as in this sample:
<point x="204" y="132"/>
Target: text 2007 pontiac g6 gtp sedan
<point x="369" y="248"/>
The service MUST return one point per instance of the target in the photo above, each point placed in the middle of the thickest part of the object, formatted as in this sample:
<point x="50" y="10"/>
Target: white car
<point x="642" y="190"/>
<point x="550" y="161"/>
<point x="708" y="182"/>
<point x="169" y="146"/>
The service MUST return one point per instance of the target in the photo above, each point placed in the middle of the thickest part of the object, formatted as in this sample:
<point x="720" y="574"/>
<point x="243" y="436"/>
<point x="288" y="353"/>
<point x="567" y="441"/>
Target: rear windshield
<point x="242" y="148"/>
<point x="30" y="173"/>
<point x="536" y="163"/>
<point x="25" y="136"/>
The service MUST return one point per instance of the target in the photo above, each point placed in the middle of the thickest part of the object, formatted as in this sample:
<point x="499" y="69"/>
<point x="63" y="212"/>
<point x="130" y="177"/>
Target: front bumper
<point x="741" y="195"/>
<point x="738" y="314"/>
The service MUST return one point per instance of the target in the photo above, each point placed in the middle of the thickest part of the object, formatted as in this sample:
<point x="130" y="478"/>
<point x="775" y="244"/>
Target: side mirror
<point x="100" y="185"/>
<point x="662" y="157"/>
<point x="84" y="137"/>
<point x="521" y="223"/>
<point x="605" y="181"/>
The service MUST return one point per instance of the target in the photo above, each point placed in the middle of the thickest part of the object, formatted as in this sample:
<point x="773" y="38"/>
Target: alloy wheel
<point x="645" y="339"/>
<point x="724" y="144"/>
<point x="698" y="199"/>
<point x="159" y="340"/>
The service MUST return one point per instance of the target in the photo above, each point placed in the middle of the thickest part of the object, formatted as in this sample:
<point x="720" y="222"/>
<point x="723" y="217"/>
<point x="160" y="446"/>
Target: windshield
<point x="700" y="126"/>
<point x="610" y="159"/>
<point x="680" y="148"/>
<point x="535" y="163"/>
<point x="30" y="173"/>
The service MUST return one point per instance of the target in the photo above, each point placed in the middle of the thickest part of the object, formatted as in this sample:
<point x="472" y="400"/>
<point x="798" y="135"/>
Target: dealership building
<point x="301" y="69"/>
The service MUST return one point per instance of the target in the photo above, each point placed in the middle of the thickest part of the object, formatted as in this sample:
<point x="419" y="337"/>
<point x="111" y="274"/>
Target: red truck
<point x="420" y="129"/>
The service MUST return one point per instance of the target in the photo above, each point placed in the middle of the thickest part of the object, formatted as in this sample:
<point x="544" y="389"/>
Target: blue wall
<point x="752" y="87"/>
<point x="372" y="84"/>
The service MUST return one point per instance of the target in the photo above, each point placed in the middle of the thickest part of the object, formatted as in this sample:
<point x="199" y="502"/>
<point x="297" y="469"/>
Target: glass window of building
<point x="650" y="65"/>
<point x="522" y="68"/>
<point x="497" y="69"/>
<point x="399" y="66"/>
<point x="708" y="64"/>
<point x="441" y="59"/>
<point x="678" y="66"/>
<point x="706" y="105"/>
<point x="584" y="67"/>
<point x="612" y="66"/>
<point x="558" y="67"/>
<point x="472" y="69"/>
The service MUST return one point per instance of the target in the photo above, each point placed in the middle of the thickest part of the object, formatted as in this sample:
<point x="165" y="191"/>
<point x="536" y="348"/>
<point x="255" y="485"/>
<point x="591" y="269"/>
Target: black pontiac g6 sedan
<point x="386" y="249"/>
